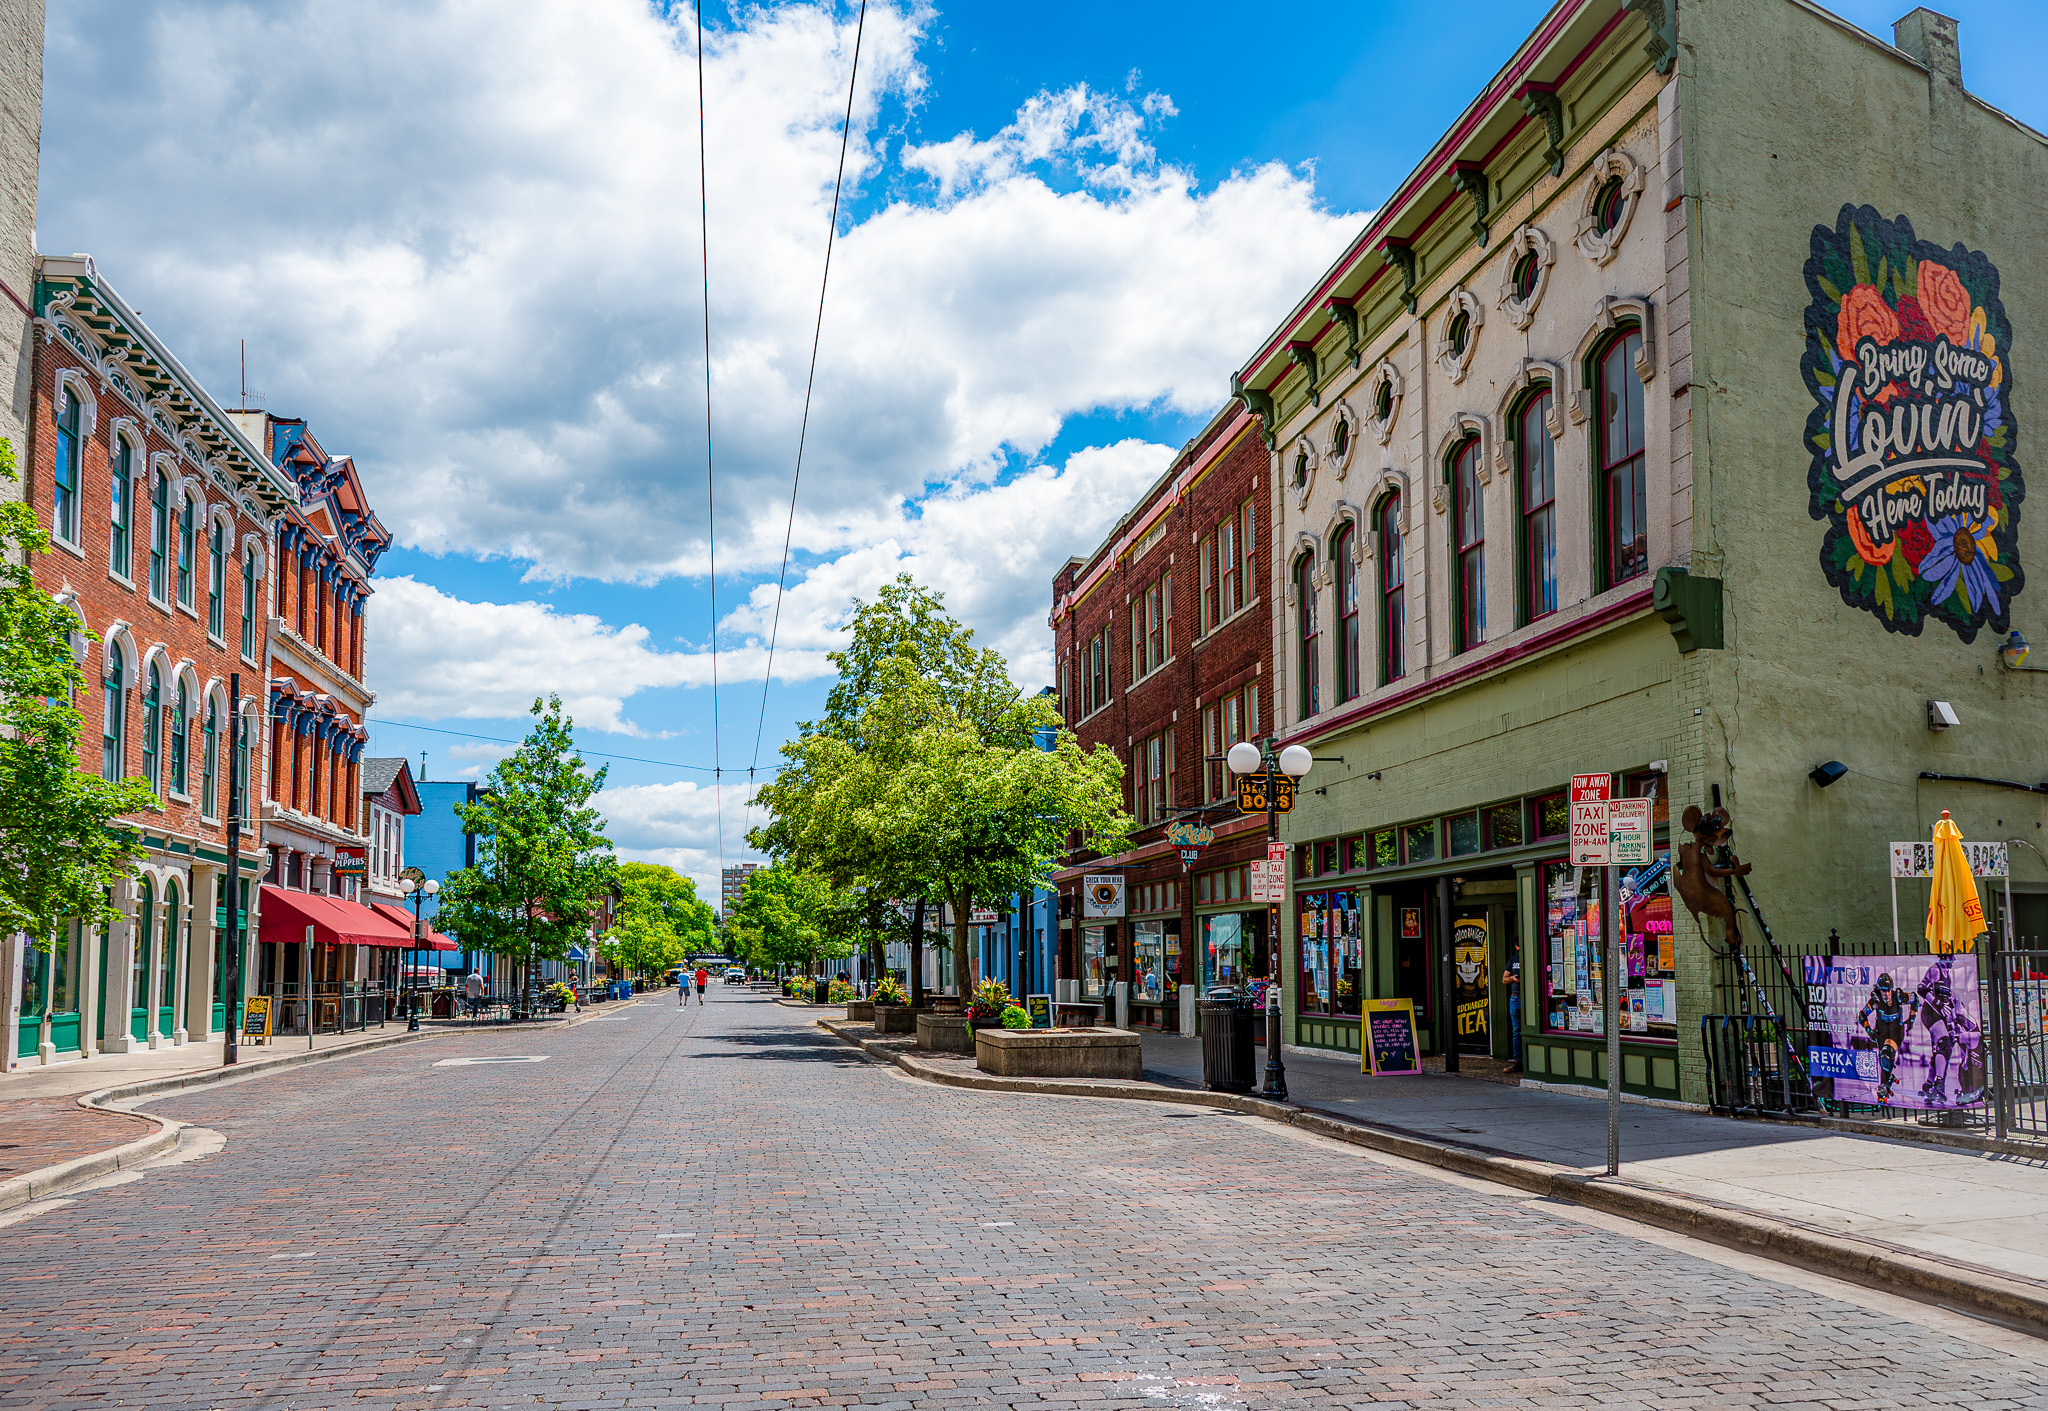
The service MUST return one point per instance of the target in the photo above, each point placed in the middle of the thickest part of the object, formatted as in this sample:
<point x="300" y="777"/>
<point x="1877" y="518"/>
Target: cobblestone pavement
<point x="680" y="1208"/>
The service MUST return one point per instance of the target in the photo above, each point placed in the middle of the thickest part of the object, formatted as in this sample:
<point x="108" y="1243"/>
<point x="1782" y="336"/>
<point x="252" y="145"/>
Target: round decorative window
<point x="1383" y="400"/>
<point x="1300" y="469"/>
<point x="1527" y="269"/>
<point x="1340" y="440"/>
<point x="1460" y="332"/>
<point x="1609" y="206"/>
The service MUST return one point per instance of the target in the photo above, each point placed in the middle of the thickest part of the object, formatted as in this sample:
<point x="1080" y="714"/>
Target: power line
<point x="810" y="380"/>
<point x="500" y="740"/>
<point x="710" y="484"/>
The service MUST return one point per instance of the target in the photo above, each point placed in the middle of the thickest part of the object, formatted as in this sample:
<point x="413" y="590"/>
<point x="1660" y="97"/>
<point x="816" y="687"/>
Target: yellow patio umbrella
<point x="1955" y="915"/>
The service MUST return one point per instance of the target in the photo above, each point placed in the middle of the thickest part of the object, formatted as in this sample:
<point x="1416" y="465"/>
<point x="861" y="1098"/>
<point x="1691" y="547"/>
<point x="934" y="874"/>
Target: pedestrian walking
<point x="703" y="978"/>
<point x="473" y="992"/>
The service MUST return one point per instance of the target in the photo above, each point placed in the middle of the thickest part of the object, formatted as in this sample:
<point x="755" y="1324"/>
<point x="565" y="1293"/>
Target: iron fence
<point x="1757" y="1045"/>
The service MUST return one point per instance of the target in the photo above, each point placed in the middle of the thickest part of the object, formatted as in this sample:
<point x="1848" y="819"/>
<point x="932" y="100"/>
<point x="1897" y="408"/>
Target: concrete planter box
<point x="896" y="1019"/>
<point x="1060" y="1053"/>
<point x="860" y="1011"/>
<point x="945" y="1033"/>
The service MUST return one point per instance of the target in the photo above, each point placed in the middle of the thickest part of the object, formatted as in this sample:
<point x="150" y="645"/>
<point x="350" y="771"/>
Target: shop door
<point x="1414" y="977"/>
<point x="1472" y="978"/>
<point x="1505" y="949"/>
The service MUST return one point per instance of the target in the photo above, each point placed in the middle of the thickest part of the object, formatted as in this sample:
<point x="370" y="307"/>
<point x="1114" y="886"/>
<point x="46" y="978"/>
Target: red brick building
<point x="1161" y="643"/>
<point x="158" y="510"/>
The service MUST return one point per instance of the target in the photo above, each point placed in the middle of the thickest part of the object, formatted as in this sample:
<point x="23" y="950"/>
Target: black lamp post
<point x="1244" y="757"/>
<point x="416" y="884"/>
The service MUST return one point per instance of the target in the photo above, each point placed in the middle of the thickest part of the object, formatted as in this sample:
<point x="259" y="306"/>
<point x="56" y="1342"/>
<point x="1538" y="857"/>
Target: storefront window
<point x="1504" y="825"/>
<point x="1386" y="849"/>
<point x="1461" y="831"/>
<point x="1356" y="858"/>
<point x="1332" y="952"/>
<point x="1552" y="816"/>
<point x="1419" y="841"/>
<point x="1092" y="963"/>
<point x="1574" y="1000"/>
<point x="1230" y="948"/>
<point x="1148" y="961"/>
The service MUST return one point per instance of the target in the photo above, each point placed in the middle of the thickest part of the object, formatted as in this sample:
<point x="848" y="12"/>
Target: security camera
<point x="1941" y="715"/>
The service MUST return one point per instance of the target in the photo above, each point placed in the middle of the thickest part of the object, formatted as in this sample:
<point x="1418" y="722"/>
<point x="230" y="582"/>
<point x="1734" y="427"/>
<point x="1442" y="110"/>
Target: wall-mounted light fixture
<point x="2013" y="651"/>
<point x="1826" y="774"/>
<point x="1941" y="715"/>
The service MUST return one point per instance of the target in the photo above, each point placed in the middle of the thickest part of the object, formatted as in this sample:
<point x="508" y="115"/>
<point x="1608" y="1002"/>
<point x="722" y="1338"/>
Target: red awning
<point x="287" y="914"/>
<point x="402" y="918"/>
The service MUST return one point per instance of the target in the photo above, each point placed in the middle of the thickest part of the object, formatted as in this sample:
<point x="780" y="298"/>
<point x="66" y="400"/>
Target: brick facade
<point x="1153" y="650"/>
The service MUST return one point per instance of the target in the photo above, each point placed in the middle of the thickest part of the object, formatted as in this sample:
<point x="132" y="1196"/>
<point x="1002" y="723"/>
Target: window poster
<point x="1148" y="958"/>
<point x="1470" y="970"/>
<point x="1575" y="1002"/>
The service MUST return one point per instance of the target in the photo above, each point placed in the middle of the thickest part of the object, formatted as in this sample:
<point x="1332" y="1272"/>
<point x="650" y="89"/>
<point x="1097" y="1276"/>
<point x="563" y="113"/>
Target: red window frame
<point x="1623" y="493"/>
<point x="1536" y="454"/>
<point x="1469" y="545"/>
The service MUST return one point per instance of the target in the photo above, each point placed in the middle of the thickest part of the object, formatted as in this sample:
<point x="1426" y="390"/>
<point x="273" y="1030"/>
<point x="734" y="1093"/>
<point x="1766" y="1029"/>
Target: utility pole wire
<point x="710" y="484"/>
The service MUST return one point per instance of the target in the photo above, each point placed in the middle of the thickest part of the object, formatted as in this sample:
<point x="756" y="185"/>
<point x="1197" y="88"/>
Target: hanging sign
<point x="1189" y="839"/>
<point x="1911" y="435"/>
<point x="350" y="862"/>
<point x="1917" y="859"/>
<point x="1256" y="791"/>
<point x="1628" y="832"/>
<point x="1589" y="819"/>
<point x="1102" y="896"/>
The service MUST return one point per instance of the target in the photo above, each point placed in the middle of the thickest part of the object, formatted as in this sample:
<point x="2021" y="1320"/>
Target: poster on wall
<point x="1102" y="895"/>
<point x="1911" y="434"/>
<point x="1468" y="964"/>
<point x="1898" y="1030"/>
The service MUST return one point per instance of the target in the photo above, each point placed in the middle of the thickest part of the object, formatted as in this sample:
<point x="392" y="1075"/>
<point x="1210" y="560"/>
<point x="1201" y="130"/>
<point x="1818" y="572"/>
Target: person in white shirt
<point x="473" y="992"/>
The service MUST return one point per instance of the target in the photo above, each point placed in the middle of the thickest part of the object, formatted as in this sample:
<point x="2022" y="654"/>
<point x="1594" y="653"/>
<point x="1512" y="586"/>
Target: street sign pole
<point x="1598" y="824"/>
<point x="1610" y="929"/>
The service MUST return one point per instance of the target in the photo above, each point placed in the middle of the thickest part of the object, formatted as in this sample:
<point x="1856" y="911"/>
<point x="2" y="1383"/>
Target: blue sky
<point x="462" y="241"/>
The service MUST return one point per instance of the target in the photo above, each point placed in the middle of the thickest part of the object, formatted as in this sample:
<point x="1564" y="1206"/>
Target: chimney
<point x="1930" y="39"/>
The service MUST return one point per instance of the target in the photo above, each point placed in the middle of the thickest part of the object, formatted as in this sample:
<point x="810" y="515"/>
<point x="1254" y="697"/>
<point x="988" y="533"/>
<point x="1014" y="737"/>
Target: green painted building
<point x="1663" y="424"/>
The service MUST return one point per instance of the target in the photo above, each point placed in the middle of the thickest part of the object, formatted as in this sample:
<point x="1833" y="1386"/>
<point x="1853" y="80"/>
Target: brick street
<point x="734" y="1210"/>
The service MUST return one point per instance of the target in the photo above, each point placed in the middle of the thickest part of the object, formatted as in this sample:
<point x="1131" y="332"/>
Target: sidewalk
<point x="1951" y="1225"/>
<point x="119" y="1070"/>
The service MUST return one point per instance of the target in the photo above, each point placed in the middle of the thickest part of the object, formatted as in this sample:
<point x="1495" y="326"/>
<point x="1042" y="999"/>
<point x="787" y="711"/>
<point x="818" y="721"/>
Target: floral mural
<point x="1908" y="356"/>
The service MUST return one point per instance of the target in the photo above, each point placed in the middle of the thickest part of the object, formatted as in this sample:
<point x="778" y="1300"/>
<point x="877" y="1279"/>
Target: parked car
<point x="735" y="976"/>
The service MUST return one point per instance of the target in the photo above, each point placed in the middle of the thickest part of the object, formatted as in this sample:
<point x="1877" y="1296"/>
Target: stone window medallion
<point x="1614" y="189"/>
<point x="1458" y="338"/>
<point x="1343" y="439"/>
<point x="1301" y="471"/>
<point x="1385" y="399"/>
<point x="1525" y="274"/>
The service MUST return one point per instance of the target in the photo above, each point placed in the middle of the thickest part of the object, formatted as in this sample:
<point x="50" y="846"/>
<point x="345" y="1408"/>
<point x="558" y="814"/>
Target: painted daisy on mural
<point x="1908" y="356"/>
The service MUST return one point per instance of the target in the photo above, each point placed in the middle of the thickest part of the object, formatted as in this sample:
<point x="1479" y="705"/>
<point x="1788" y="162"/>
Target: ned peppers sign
<point x="1908" y="358"/>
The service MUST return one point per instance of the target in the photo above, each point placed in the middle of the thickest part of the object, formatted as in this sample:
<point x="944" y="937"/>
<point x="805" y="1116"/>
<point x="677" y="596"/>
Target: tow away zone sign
<point x="1590" y="794"/>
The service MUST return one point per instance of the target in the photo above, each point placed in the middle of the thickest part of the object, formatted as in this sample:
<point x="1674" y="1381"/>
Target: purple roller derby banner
<point x="1896" y="1030"/>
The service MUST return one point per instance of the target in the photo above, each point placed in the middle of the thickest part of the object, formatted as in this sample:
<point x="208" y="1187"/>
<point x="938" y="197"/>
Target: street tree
<point x="543" y="863"/>
<point x="784" y="918"/>
<point x="931" y="776"/>
<point x="660" y="920"/>
<point x="63" y="845"/>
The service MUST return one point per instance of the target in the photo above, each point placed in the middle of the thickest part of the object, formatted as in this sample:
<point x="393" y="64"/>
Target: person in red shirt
<point x="703" y="978"/>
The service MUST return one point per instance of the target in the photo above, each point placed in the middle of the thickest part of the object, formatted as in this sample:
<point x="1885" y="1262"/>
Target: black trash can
<point x="819" y="990"/>
<point x="1227" y="1019"/>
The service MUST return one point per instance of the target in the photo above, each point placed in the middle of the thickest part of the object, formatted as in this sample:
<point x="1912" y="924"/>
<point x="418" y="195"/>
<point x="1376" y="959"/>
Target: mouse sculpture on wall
<point x="1700" y="876"/>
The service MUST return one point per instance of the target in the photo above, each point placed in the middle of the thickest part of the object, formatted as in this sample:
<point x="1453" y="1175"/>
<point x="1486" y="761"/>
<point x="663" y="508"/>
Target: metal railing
<point x="2016" y="1024"/>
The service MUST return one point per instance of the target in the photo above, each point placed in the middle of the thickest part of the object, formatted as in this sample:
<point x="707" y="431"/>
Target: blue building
<point x="436" y="844"/>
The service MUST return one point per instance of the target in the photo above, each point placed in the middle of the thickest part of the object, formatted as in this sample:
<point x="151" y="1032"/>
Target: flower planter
<point x="1060" y="1053"/>
<point x="896" y="1019"/>
<point x="945" y="1033"/>
<point x="860" y="1011"/>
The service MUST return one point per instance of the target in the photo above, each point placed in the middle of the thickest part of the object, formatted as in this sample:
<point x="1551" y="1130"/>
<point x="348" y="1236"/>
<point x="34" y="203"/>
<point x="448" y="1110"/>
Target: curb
<point x="55" y="1179"/>
<point x="2004" y="1298"/>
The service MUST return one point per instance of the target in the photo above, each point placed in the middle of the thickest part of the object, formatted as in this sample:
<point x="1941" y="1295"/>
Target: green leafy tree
<point x="62" y="843"/>
<point x="660" y="921"/>
<point x="928" y="777"/>
<point x="543" y="862"/>
<point x="784" y="917"/>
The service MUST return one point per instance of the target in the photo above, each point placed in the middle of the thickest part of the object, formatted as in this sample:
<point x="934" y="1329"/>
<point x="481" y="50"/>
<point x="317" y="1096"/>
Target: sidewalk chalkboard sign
<point x="256" y="1018"/>
<point x="1391" y="1046"/>
<point x="1040" y="1009"/>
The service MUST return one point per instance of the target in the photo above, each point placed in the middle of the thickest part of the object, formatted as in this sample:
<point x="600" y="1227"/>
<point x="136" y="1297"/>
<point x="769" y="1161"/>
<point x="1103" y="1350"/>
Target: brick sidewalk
<point x="38" y="1132"/>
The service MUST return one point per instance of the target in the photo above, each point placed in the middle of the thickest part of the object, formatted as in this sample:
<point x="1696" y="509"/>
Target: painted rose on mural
<point x="1907" y="357"/>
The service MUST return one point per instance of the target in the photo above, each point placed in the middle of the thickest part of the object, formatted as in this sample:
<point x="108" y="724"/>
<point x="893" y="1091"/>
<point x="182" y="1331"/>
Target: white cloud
<point x="462" y="239"/>
<point x="678" y="825"/>
<point x="481" y="757"/>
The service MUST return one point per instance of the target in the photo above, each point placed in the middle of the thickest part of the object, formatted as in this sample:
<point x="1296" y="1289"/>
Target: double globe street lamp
<point x="1246" y="758"/>
<point x="416" y="884"/>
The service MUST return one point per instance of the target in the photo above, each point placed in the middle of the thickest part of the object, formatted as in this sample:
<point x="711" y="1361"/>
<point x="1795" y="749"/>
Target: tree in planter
<point x="63" y="845"/>
<point x="782" y="918"/>
<point x="543" y="862"/>
<point x="660" y="921"/>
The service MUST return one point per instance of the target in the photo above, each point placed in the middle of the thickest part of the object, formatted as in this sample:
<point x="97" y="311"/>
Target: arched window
<point x="167" y="969"/>
<point x="186" y="551"/>
<point x="240" y="800"/>
<point x="1393" y="612"/>
<point x="209" y="787"/>
<point x="1624" y="508"/>
<point x="181" y="713"/>
<point x="249" y="604"/>
<point x="121" y="510"/>
<point x="1536" y="462"/>
<point x="152" y="729"/>
<point x="1468" y="581"/>
<point x="64" y="486"/>
<point x="1349" y="683"/>
<point x="216" y="581"/>
<point x="114" y="723"/>
<point x="159" y="534"/>
<point x="1526" y="270"/>
<point x="1310" y="635"/>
